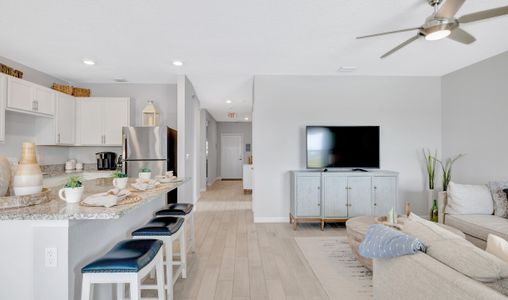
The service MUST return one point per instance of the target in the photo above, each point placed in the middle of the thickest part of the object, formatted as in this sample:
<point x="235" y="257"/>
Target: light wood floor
<point x="237" y="259"/>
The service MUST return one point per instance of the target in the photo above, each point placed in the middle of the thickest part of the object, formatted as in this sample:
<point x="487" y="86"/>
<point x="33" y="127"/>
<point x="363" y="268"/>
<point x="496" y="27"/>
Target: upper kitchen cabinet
<point x="100" y="120"/>
<point x="26" y="97"/>
<point x="60" y="130"/>
<point x="3" y="96"/>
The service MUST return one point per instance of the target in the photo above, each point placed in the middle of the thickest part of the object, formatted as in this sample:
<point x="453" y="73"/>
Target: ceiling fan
<point x="443" y="23"/>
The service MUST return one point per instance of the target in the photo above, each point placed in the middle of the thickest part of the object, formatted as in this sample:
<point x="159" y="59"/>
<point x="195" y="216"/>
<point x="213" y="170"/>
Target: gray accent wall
<point x="475" y="120"/>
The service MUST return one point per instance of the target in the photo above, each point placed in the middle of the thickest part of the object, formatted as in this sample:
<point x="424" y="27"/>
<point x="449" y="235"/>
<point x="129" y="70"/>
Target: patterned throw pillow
<point x="500" y="198"/>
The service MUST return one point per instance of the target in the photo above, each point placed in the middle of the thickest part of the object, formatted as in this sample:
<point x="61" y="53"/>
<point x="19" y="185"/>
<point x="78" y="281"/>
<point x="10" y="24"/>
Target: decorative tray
<point x="25" y="200"/>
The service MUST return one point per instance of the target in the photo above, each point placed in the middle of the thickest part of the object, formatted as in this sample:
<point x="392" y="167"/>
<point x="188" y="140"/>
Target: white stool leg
<point x="183" y="254"/>
<point x="192" y="232"/>
<point x="85" y="288"/>
<point x="169" y="268"/>
<point x="135" y="289"/>
<point x="159" y="270"/>
<point x="120" y="291"/>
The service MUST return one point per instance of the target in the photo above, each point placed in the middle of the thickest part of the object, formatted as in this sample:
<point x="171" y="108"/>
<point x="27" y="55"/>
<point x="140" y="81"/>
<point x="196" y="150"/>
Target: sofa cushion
<point x="479" y="226"/>
<point x="466" y="199"/>
<point x="497" y="246"/>
<point x="456" y="252"/>
<point x="499" y="197"/>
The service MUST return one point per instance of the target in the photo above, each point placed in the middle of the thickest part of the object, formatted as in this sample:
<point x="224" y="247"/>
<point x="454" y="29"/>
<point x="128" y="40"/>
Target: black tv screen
<point x="342" y="147"/>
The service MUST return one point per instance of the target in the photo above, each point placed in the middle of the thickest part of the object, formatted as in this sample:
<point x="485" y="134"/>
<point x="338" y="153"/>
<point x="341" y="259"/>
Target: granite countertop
<point x="57" y="209"/>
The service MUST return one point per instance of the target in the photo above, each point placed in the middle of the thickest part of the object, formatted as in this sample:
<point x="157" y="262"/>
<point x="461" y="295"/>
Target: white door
<point x="359" y="196"/>
<point x="65" y="119"/>
<point x="385" y="194"/>
<point x="116" y="115"/>
<point x="334" y="196"/>
<point x="231" y="156"/>
<point x="44" y="100"/>
<point x="89" y="116"/>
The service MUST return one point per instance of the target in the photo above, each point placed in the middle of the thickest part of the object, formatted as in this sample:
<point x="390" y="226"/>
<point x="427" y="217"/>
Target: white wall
<point x="242" y="128"/>
<point x="213" y="146"/>
<point x="408" y="109"/>
<point x="188" y="112"/>
<point x="475" y="118"/>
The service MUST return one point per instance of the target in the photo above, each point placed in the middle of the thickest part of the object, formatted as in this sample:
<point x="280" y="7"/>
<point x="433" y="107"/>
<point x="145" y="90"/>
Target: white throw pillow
<point x="497" y="246"/>
<point x="465" y="199"/>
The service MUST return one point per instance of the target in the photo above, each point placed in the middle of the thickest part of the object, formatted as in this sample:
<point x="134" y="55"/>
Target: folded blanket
<point x="384" y="242"/>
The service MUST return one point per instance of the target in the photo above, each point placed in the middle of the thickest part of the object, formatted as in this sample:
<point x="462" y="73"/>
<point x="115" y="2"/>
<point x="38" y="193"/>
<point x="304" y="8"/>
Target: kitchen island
<point x="45" y="246"/>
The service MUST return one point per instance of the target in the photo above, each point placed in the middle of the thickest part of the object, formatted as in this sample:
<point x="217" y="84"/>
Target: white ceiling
<point x="224" y="43"/>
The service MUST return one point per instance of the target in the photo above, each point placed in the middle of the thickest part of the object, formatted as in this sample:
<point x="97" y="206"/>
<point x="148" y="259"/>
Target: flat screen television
<point x="342" y="147"/>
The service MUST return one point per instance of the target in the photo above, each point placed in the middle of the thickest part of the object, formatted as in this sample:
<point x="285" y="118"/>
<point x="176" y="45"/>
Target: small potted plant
<point x="73" y="190"/>
<point x="145" y="173"/>
<point x="120" y="180"/>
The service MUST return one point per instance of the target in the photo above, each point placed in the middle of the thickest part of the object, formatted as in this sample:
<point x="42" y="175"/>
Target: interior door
<point x="359" y="196"/>
<point x="65" y="119"/>
<point x="231" y="156"/>
<point x="334" y="196"/>
<point x="116" y="115"/>
<point x="385" y="194"/>
<point x="89" y="122"/>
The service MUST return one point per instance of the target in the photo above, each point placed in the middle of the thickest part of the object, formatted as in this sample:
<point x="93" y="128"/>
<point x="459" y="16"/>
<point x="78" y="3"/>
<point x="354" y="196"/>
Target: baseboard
<point x="214" y="181"/>
<point x="271" y="220"/>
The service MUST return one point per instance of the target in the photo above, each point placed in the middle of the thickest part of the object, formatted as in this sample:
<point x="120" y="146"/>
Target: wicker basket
<point x="66" y="89"/>
<point x="79" y="92"/>
<point x="10" y="71"/>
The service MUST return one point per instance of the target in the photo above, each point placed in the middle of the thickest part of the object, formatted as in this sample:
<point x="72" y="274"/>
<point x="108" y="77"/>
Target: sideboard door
<point x="334" y="196"/>
<point x="385" y="194"/>
<point x="308" y="196"/>
<point x="359" y="196"/>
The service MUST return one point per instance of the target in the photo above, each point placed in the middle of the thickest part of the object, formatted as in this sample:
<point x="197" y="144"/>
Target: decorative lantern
<point x="151" y="115"/>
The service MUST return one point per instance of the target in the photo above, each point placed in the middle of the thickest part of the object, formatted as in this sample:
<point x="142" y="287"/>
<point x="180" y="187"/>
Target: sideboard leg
<point x="322" y="225"/>
<point x="295" y="224"/>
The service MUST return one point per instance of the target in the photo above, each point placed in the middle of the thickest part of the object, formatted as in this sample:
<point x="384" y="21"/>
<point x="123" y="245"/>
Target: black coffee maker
<point x="106" y="160"/>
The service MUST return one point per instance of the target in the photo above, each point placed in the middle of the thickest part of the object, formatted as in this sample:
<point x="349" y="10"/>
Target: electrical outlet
<point x="51" y="257"/>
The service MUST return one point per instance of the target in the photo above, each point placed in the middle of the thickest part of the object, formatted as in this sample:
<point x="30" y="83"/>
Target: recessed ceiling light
<point x="346" y="69"/>
<point x="177" y="63"/>
<point x="246" y="118"/>
<point x="89" y="62"/>
<point x="229" y="101"/>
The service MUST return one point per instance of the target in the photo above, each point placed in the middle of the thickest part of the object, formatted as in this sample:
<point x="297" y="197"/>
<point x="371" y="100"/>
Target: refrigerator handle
<point x="124" y="151"/>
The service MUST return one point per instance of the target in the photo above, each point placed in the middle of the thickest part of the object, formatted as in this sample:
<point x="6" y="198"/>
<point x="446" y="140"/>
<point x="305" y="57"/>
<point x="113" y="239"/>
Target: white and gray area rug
<point x="336" y="267"/>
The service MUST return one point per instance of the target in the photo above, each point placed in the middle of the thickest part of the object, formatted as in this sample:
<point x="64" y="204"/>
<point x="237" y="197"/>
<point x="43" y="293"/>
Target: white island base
<point x="29" y="269"/>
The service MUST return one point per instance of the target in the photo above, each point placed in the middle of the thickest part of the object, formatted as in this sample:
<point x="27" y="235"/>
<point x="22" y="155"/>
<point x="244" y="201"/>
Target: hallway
<point x="237" y="259"/>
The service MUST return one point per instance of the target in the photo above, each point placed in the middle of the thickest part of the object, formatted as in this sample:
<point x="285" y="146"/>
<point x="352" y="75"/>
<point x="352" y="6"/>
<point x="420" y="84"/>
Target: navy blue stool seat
<point x="126" y="256"/>
<point x="176" y="209"/>
<point x="160" y="226"/>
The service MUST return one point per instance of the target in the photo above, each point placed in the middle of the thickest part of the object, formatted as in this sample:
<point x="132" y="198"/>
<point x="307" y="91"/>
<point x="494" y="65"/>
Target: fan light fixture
<point x="437" y="35"/>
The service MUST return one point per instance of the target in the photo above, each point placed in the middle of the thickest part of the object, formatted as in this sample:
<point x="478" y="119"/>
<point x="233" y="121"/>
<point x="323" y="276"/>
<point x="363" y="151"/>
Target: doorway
<point x="231" y="156"/>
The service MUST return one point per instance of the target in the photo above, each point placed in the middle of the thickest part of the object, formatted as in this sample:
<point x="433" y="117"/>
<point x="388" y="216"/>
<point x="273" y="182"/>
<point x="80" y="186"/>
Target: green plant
<point x="119" y="174"/>
<point x="145" y="170"/>
<point x="430" y="164"/>
<point x="74" y="182"/>
<point x="447" y="170"/>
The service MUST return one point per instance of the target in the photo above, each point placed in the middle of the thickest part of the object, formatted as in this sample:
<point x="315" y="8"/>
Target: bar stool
<point x="127" y="262"/>
<point x="166" y="229"/>
<point x="185" y="210"/>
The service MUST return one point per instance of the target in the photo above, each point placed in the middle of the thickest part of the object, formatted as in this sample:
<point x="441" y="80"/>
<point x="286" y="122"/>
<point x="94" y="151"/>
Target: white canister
<point x="72" y="195"/>
<point x="120" y="183"/>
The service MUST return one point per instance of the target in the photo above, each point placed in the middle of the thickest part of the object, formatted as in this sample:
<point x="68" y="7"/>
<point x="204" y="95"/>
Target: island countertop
<point x="57" y="209"/>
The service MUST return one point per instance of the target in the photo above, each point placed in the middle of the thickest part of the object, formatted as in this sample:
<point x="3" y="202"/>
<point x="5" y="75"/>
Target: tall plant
<point x="430" y="164"/>
<point x="447" y="170"/>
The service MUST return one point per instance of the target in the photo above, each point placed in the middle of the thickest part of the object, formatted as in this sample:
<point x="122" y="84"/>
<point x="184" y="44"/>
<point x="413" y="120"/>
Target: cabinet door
<point x="116" y="115"/>
<point x="89" y="116"/>
<point x="3" y="97"/>
<point x="44" y="99"/>
<point x="334" y="196"/>
<point x="20" y="94"/>
<point x="385" y="194"/>
<point x="65" y="119"/>
<point x="359" y="196"/>
<point x="308" y="196"/>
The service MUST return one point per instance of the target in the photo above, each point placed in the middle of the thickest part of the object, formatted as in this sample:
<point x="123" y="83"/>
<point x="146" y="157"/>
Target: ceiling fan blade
<point x="461" y="36"/>
<point x="414" y="38"/>
<point x="388" y="32"/>
<point x="485" y="14"/>
<point x="449" y="8"/>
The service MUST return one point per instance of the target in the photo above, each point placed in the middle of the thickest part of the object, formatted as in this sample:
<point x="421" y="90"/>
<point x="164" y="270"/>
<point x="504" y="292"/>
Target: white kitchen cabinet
<point x="100" y="120"/>
<point x="336" y="196"/>
<point x="247" y="178"/>
<point x="65" y="120"/>
<point x="26" y="97"/>
<point x="3" y="97"/>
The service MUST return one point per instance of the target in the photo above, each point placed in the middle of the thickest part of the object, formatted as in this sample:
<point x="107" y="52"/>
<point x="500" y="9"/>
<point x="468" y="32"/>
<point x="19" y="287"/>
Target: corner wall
<point x="475" y="119"/>
<point x="408" y="109"/>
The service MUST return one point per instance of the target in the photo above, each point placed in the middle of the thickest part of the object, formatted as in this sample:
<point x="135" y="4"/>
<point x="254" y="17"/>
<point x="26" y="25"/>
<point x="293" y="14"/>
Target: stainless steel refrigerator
<point x="144" y="147"/>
